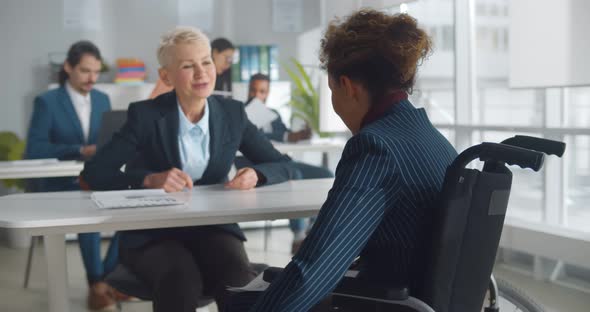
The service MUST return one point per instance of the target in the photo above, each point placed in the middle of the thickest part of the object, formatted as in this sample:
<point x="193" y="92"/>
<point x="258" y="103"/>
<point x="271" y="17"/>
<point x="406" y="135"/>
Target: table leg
<point x="57" y="273"/>
<point x="325" y="159"/>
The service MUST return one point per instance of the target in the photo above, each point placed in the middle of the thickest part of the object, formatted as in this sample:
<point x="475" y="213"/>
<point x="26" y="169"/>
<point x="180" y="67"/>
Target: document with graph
<point x="134" y="198"/>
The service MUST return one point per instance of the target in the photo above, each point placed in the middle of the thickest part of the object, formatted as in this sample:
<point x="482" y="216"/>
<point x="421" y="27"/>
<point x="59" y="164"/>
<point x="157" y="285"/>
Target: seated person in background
<point x="222" y="54"/>
<point x="182" y="138"/>
<point x="259" y="88"/>
<point x="222" y="51"/>
<point x="64" y="125"/>
<point x="391" y="172"/>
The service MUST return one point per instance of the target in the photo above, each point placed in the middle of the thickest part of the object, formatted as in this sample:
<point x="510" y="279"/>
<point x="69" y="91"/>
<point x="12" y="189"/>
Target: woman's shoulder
<point x="231" y="108"/>
<point x="226" y="103"/>
<point x="365" y="141"/>
<point x="51" y="95"/>
<point x="156" y="106"/>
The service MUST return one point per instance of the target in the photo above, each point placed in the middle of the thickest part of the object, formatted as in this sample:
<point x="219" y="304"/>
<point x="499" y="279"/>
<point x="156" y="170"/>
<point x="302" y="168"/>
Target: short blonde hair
<point x="179" y="35"/>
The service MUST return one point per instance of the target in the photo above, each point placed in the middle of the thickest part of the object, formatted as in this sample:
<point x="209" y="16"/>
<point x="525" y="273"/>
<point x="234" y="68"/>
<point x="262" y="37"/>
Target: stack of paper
<point x="260" y="115"/>
<point x="134" y="198"/>
<point x="30" y="162"/>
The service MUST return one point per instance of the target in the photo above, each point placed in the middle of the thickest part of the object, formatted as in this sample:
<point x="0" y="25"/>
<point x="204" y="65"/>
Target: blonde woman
<point x="179" y="139"/>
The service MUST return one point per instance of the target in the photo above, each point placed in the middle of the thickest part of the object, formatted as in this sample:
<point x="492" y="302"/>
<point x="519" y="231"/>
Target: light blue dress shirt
<point x="193" y="143"/>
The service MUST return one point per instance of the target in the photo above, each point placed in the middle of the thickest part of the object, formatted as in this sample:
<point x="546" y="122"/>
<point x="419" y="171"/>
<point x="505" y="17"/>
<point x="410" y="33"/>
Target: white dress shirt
<point x="83" y="108"/>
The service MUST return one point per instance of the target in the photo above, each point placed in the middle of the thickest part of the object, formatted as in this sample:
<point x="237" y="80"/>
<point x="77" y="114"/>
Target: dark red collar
<point x="386" y="103"/>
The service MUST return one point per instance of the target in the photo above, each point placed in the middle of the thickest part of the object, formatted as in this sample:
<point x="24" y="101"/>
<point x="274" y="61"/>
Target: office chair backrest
<point x="111" y="122"/>
<point x="468" y="226"/>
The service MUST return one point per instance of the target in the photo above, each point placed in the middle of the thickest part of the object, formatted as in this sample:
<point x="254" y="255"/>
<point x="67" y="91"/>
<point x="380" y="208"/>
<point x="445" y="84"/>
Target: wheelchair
<point x="465" y="239"/>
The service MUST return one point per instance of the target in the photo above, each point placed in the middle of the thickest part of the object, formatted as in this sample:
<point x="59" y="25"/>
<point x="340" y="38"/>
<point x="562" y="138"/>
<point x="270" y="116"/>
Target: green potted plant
<point x="11" y="148"/>
<point x="305" y="98"/>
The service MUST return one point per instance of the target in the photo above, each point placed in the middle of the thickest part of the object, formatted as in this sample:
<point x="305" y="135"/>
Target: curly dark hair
<point x="379" y="50"/>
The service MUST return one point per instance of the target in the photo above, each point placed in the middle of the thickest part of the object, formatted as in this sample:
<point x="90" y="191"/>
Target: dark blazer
<point x="150" y="138"/>
<point x="55" y="132"/>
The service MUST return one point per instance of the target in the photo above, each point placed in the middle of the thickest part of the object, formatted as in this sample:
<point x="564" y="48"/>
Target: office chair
<point x="466" y="235"/>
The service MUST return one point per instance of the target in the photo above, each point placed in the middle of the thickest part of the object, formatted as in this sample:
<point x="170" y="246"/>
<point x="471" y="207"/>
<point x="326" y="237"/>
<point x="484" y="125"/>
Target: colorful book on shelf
<point x="273" y="53"/>
<point x="264" y="59"/>
<point x="235" y="67"/>
<point x="254" y="60"/>
<point x="244" y="63"/>
<point x="130" y="71"/>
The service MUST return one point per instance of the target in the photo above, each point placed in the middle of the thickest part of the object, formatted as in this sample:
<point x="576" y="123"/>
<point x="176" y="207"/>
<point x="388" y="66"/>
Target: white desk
<point x="20" y="170"/>
<point x="320" y="145"/>
<point x="52" y="215"/>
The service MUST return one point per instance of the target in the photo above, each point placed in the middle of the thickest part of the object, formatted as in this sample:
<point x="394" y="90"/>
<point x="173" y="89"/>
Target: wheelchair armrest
<point x="352" y="286"/>
<point x="271" y="273"/>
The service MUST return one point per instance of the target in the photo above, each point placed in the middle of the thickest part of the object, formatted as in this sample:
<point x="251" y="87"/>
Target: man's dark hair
<point x="259" y="76"/>
<point x="221" y="44"/>
<point x="75" y="53"/>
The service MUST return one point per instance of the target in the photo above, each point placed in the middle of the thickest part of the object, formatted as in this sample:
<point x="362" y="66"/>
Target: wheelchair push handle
<point x="511" y="155"/>
<point x="546" y="146"/>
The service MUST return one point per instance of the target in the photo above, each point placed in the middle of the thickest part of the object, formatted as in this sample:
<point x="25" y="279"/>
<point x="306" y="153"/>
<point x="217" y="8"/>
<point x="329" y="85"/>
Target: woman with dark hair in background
<point x="391" y="171"/>
<point x="222" y="51"/>
<point x="64" y="125"/>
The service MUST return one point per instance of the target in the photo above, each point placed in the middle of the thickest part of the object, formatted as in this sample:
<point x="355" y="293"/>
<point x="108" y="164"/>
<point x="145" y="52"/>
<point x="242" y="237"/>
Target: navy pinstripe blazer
<point x="379" y="207"/>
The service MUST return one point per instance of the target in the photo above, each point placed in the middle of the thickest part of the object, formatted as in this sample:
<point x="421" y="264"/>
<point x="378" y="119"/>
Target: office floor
<point x="13" y="298"/>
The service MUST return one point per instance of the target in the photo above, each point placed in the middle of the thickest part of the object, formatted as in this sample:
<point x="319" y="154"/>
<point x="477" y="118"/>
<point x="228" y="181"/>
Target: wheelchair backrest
<point x="468" y="224"/>
<point x="467" y="230"/>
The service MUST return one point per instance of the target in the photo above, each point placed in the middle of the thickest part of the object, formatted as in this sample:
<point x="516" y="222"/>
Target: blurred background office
<point x="499" y="68"/>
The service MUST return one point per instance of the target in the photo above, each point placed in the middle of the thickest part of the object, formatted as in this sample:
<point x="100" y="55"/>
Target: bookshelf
<point x="253" y="59"/>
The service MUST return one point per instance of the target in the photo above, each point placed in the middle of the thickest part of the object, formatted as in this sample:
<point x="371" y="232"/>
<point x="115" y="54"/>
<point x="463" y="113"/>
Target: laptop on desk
<point x="111" y="122"/>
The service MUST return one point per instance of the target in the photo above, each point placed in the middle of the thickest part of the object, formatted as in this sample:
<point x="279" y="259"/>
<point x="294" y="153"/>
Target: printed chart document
<point x="134" y="198"/>
<point x="260" y="115"/>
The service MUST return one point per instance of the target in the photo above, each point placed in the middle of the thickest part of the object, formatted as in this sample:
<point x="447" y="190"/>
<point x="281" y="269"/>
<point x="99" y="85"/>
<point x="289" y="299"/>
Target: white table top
<point x="39" y="169"/>
<point x="316" y="145"/>
<point x="74" y="212"/>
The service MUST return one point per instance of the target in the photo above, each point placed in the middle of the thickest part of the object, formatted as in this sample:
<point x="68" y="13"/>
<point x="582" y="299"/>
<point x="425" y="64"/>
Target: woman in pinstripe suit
<point x="392" y="169"/>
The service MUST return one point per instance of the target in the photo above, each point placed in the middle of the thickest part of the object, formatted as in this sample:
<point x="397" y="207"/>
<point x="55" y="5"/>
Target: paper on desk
<point x="134" y="198"/>
<point x="257" y="284"/>
<point x="29" y="162"/>
<point x="260" y="115"/>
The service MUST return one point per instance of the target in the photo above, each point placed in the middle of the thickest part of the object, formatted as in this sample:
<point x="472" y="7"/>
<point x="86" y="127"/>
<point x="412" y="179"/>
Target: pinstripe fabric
<point x="386" y="185"/>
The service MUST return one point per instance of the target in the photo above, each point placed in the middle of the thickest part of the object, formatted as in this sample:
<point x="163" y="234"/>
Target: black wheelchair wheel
<point x="514" y="299"/>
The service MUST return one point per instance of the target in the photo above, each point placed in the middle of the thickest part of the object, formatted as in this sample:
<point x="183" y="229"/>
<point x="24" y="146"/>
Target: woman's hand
<point x="245" y="179"/>
<point x="173" y="180"/>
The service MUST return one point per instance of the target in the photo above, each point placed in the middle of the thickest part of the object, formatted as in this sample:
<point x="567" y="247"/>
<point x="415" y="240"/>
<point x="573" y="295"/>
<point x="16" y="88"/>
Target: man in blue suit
<point x="64" y="125"/>
<point x="259" y="87"/>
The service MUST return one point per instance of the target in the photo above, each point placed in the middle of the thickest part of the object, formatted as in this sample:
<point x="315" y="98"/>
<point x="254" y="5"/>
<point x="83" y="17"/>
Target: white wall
<point x="252" y="24"/>
<point x="552" y="37"/>
<point x="30" y="29"/>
